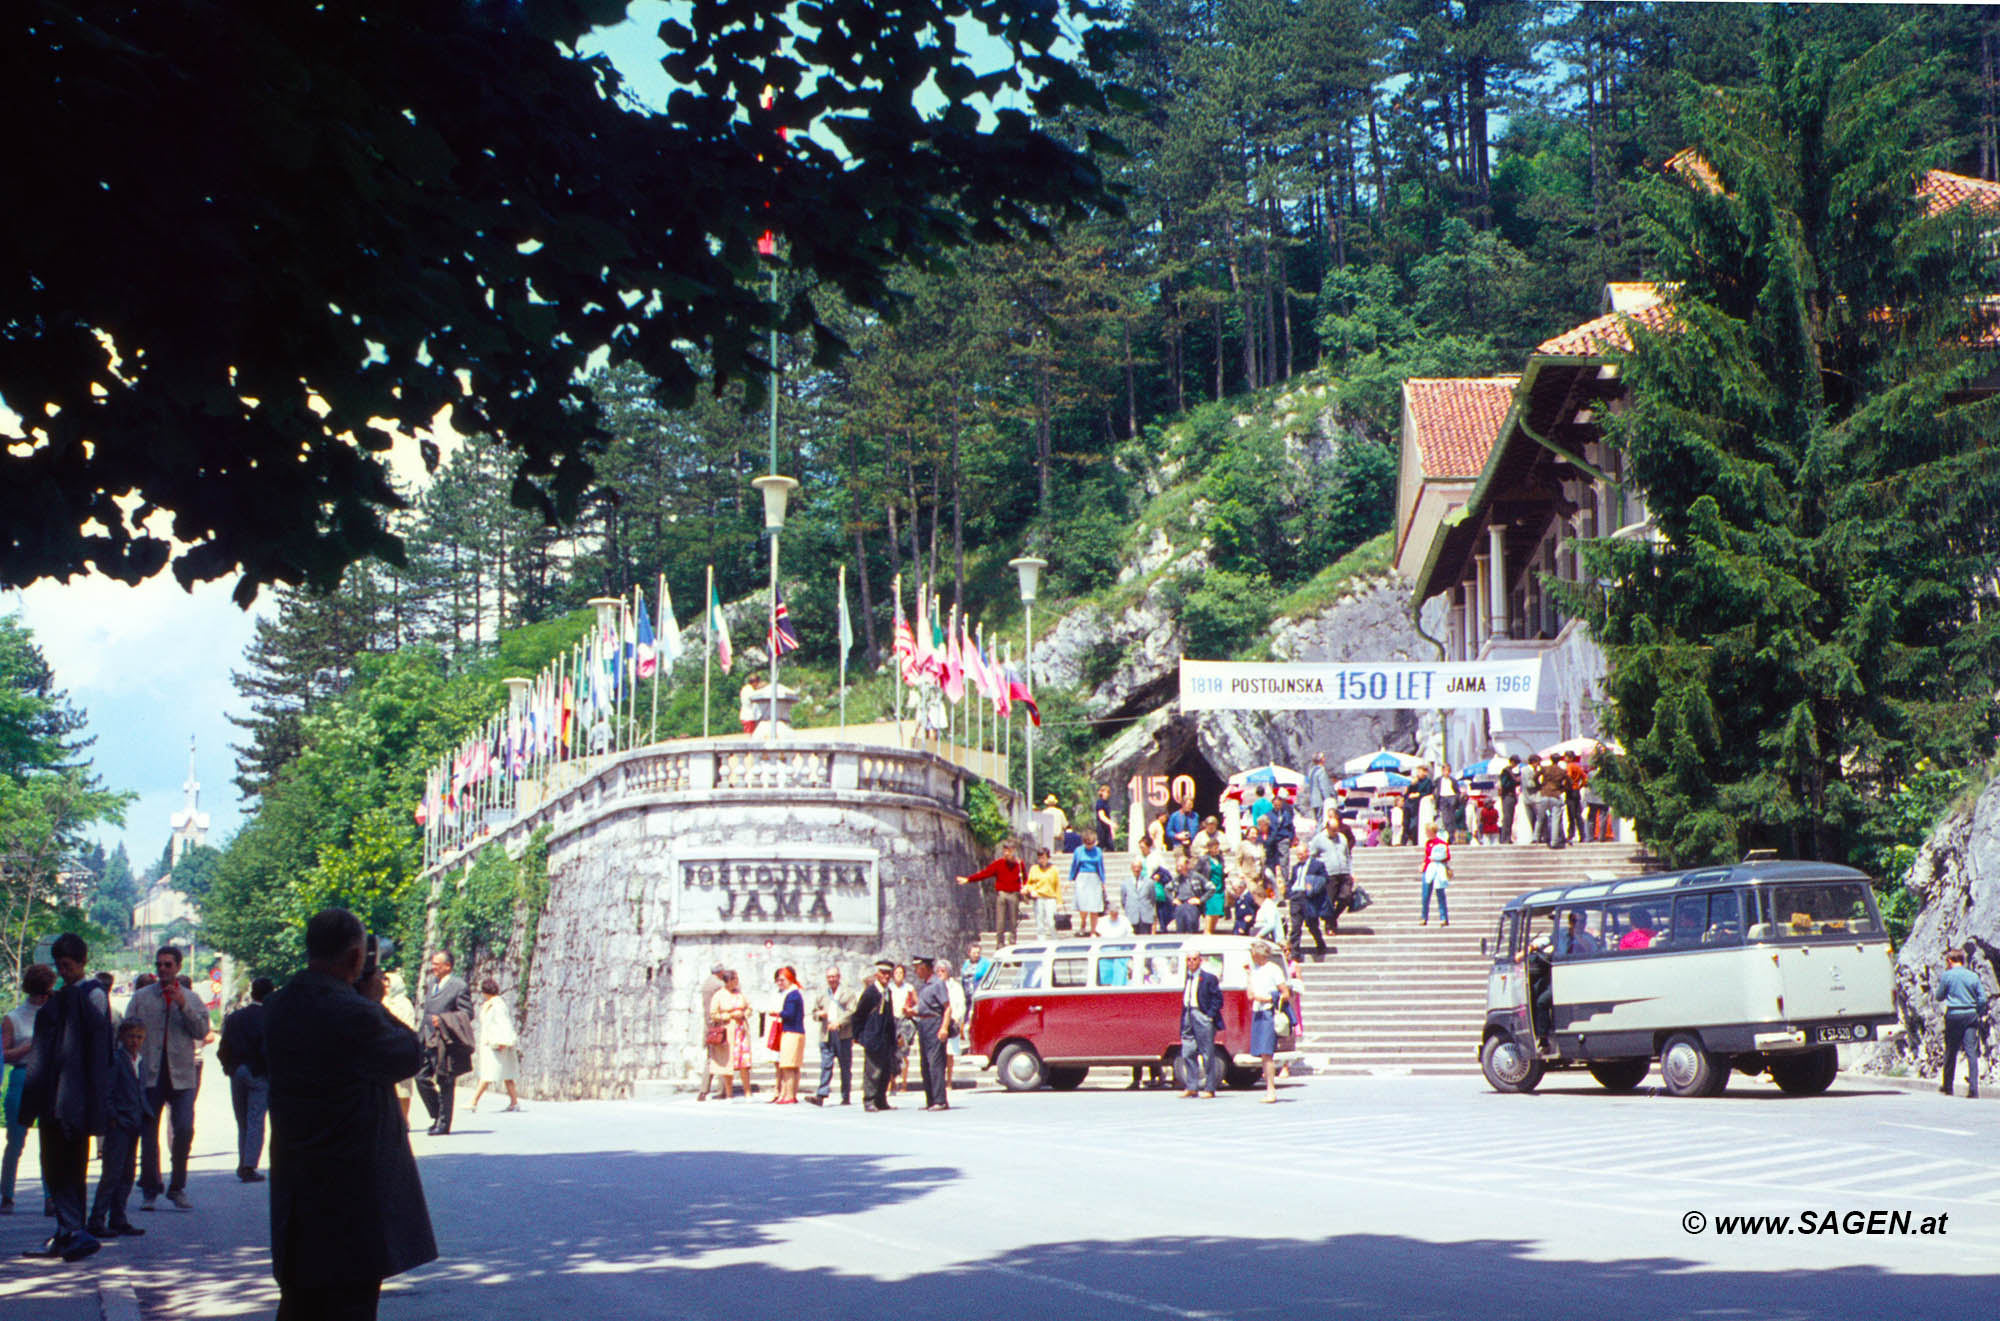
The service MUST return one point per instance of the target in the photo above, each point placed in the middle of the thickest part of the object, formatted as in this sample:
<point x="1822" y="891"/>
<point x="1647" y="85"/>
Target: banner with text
<point x="1359" y="685"/>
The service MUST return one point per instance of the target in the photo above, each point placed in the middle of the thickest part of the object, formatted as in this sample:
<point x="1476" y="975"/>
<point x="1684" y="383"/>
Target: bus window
<point x="1069" y="972"/>
<point x="1725" y="919"/>
<point x="1690" y="922"/>
<point x="1633" y="924"/>
<point x="1580" y="934"/>
<point x="1114" y="970"/>
<point x="1827" y="909"/>
<point x="1031" y="975"/>
<point x="1002" y="976"/>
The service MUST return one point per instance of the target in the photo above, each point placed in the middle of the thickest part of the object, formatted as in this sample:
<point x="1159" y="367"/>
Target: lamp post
<point x="1030" y="568"/>
<point x="777" y="491"/>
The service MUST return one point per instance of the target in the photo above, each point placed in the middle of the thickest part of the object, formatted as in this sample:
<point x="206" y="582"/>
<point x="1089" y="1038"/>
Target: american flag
<point x="781" y="636"/>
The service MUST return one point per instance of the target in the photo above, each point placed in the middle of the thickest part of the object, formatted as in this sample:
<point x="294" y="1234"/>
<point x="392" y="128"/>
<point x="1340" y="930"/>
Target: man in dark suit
<point x="446" y="1024"/>
<point x="875" y="1033"/>
<point x="1201" y="1014"/>
<point x="347" y="1208"/>
<point x="66" y="1093"/>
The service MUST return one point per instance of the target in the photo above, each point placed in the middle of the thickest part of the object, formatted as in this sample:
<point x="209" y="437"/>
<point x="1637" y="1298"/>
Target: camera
<point x="376" y="950"/>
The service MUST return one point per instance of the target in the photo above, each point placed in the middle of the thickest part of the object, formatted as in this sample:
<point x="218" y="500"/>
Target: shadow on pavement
<point x="618" y="1234"/>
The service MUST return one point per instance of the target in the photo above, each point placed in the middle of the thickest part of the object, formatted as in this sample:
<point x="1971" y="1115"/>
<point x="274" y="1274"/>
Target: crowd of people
<point x="87" y="1068"/>
<point x="900" y="1009"/>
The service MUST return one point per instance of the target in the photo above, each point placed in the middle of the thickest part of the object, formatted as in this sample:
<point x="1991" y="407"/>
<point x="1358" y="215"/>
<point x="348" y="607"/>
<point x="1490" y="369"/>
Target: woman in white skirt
<point x="499" y="1061"/>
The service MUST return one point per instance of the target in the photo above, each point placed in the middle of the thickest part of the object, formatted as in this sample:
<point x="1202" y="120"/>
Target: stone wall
<point x="677" y="858"/>
<point x="1957" y="878"/>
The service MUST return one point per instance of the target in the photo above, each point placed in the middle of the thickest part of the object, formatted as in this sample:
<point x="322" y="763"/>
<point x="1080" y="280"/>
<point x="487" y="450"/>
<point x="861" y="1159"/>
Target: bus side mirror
<point x="1482" y="946"/>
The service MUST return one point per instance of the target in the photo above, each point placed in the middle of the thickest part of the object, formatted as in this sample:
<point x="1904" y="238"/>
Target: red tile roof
<point x="1607" y="334"/>
<point x="1456" y="420"/>
<point x="1941" y="191"/>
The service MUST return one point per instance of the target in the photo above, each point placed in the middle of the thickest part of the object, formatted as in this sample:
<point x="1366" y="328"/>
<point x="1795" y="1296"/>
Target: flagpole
<point x="707" y="646"/>
<point x="659" y="648"/>
<point x="842" y="643"/>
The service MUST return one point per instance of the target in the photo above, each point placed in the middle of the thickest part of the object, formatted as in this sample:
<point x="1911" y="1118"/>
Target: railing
<point x="699" y="768"/>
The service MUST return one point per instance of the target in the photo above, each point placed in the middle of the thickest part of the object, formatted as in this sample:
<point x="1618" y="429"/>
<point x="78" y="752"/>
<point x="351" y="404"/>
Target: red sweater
<point x="1004" y="872"/>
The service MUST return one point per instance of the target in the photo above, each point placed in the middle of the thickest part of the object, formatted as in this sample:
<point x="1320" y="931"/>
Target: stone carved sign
<point x="777" y="889"/>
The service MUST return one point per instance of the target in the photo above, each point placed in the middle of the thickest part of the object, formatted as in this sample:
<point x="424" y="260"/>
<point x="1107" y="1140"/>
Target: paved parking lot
<point x="1356" y="1197"/>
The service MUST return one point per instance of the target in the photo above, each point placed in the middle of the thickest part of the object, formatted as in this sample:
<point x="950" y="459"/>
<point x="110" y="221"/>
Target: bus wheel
<point x="1020" y="1068"/>
<point x="1508" y="1068"/>
<point x="1620" y="1075"/>
<point x="1239" y="1079"/>
<point x="1806" y="1074"/>
<point x="1067" y="1078"/>
<point x="1688" y="1068"/>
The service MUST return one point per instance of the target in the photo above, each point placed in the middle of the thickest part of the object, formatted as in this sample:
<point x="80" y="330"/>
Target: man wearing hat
<point x="875" y="1033"/>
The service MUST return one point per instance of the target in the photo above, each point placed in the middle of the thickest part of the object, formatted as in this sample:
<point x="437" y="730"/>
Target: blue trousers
<point x="836" y="1050"/>
<point x="1444" y="907"/>
<point x="251" y="1096"/>
<point x="1198" y="1051"/>
<point x="17" y="1134"/>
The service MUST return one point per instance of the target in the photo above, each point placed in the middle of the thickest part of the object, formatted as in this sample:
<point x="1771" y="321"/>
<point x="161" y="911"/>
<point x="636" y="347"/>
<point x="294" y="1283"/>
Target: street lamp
<point x="777" y="492"/>
<point x="1030" y="568"/>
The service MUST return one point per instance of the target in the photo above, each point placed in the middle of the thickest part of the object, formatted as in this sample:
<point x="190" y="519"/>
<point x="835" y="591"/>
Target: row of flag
<point x="947" y="652"/>
<point x="585" y="702"/>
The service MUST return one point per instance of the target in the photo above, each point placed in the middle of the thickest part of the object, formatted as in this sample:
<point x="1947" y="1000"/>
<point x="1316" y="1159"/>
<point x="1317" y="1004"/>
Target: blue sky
<point x="150" y="667"/>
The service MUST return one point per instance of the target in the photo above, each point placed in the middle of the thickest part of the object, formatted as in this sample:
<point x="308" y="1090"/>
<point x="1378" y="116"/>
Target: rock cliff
<point x="1957" y="878"/>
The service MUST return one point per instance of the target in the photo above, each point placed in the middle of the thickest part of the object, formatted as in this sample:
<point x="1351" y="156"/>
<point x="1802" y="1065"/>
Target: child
<point x="1489" y="823"/>
<point x="125" y="1112"/>
<point x="1044" y="886"/>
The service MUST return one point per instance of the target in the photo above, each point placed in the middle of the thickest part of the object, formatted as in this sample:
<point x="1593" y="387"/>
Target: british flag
<point x="781" y="637"/>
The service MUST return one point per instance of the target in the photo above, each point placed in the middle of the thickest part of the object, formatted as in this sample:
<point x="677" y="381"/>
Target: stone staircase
<point x="1401" y="997"/>
<point x="1394" y="996"/>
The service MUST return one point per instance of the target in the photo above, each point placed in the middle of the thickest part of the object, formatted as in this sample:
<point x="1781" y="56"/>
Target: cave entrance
<point x="1175" y="763"/>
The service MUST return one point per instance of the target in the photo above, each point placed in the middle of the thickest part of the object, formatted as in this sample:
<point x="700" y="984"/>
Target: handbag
<point x="1360" y="900"/>
<point x="777" y="1031"/>
<point x="716" y="1034"/>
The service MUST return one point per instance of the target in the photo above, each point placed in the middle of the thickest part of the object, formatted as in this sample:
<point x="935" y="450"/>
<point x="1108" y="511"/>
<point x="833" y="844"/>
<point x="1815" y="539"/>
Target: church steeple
<point x="190" y="824"/>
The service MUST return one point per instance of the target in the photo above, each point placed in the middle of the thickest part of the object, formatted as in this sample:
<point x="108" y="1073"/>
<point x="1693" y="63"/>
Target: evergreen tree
<point x="117" y="892"/>
<point x="1816" y="616"/>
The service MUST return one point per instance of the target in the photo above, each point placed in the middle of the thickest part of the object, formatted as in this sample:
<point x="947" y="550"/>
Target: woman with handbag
<point x="1267" y="995"/>
<point x="730" y="1012"/>
<point x="788" y="1036"/>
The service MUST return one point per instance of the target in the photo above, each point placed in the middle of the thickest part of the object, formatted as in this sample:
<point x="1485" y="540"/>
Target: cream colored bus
<point x="1758" y="967"/>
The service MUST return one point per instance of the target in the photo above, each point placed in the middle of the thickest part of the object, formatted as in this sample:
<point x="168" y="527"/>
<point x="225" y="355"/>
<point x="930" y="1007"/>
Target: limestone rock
<point x="1371" y="622"/>
<point x="1957" y="877"/>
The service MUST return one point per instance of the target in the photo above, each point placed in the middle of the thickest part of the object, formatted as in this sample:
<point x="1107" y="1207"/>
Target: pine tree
<point x="1817" y="615"/>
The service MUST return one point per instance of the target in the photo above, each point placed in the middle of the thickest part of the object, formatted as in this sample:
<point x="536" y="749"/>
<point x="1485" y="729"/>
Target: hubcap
<point x="1679" y="1065"/>
<point x="1510" y="1063"/>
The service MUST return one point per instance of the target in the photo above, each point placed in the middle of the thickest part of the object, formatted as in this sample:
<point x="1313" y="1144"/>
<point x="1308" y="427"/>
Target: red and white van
<point x="1048" y="1011"/>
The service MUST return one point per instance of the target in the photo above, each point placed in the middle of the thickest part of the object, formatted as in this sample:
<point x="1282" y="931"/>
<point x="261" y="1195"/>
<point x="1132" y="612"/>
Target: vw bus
<point x="1758" y="967"/>
<point x="1050" y="1011"/>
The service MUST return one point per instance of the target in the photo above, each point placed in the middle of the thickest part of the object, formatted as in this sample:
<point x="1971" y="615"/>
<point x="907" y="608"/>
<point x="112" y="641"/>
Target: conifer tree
<point x="1816" y="615"/>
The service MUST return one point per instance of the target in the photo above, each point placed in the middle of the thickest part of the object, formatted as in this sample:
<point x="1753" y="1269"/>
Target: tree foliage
<point x="1816" y="619"/>
<point x="248" y="243"/>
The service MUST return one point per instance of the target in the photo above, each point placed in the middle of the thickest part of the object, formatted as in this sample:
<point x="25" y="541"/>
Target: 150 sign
<point x="768" y="891"/>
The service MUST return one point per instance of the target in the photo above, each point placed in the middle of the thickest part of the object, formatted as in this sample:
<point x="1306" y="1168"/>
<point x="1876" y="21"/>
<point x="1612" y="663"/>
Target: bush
<point x="1224" y="611"/>
<point x="987" y="822"/>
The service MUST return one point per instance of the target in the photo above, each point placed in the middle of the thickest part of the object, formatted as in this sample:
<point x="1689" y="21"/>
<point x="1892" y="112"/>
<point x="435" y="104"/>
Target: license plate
<point x="1843" y="1032"/>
